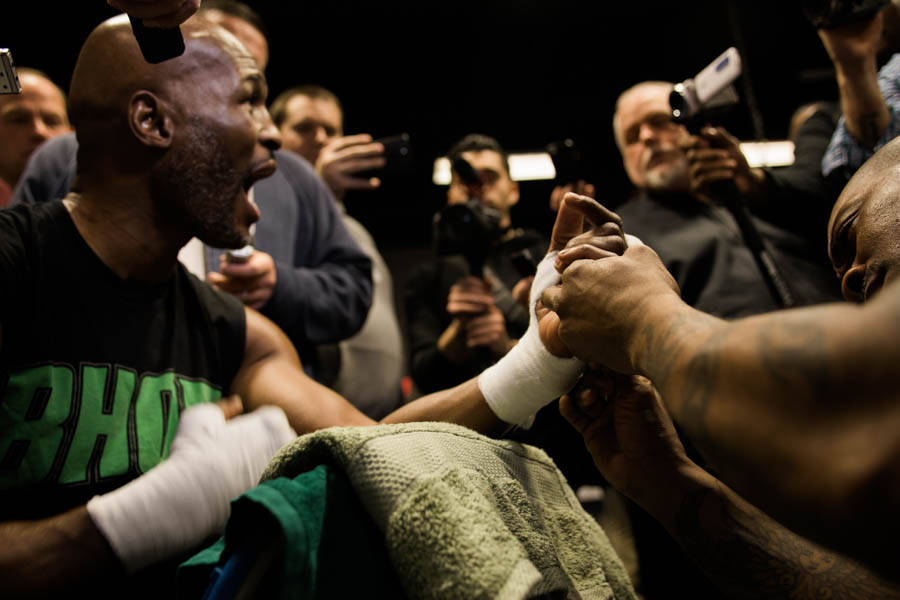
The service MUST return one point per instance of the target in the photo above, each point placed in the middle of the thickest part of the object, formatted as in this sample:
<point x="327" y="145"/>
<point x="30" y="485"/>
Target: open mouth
<point x="259" y="171"/>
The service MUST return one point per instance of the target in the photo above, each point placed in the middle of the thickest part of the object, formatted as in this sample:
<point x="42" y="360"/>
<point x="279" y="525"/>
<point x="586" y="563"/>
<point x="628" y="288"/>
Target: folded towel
<point x="464" y="515"/>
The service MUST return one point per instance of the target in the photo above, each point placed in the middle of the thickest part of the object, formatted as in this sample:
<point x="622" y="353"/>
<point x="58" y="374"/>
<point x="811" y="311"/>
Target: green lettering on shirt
<point x="33" y="413"/>
<point x="59" y="425"/>
<point x="100" y="443"/>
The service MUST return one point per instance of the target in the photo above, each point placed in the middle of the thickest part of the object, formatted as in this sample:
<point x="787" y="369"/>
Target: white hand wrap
<point x="528" y="377"/>
<point x="186" y="498"/>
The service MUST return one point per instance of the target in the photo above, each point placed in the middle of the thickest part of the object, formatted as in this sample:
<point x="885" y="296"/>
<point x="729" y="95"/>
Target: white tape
<point x="528" y="377"/>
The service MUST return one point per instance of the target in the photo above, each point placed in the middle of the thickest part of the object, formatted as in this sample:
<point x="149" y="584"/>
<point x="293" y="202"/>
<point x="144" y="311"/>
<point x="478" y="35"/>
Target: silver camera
<point x="9" y="81"/>
<point x="710" y="88"/>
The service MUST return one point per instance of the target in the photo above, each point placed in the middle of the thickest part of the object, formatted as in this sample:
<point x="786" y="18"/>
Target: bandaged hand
<point x="605" y="306"/>
<point x="539" y="368"/>
<point x="529" y="377"/>
<point x="187" y="498"/>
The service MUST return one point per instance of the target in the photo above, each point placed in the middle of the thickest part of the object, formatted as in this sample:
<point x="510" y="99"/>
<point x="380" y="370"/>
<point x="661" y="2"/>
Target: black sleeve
<point x="227" y="320"/>
<point x="425" y="297"/>
<point x="49" y="173"/>
<point x="799" y="198"/>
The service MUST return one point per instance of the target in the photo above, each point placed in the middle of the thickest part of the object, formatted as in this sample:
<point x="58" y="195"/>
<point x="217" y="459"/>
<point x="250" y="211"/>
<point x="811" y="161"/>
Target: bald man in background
<point x="28" y="119"/>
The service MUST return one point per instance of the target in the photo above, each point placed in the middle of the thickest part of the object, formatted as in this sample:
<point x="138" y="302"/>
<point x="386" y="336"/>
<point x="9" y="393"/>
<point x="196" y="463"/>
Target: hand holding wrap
<point x="187" y="498"/>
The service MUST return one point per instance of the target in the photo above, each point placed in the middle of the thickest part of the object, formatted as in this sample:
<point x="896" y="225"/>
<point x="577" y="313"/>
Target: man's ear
<point x="513" y="197"/>
<point x="150" y="120"/>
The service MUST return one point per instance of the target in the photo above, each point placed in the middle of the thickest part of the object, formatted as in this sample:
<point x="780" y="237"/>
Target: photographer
<point x="461" y="321"/>
<point x="28" y="119"/>
<point x="366" y="368"/>
<point x="677" y="211"/>
<point x="311" y="121"/>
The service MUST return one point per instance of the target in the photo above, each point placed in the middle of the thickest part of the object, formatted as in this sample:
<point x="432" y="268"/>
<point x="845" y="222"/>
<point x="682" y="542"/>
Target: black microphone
<point x="157" y="43"/>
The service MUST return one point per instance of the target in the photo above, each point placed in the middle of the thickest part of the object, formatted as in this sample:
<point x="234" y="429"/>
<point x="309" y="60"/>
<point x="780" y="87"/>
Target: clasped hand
<point x="605" y="291"/>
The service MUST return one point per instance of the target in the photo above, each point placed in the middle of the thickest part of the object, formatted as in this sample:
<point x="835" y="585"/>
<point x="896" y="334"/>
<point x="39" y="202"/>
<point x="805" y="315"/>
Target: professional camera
<point x="469" y="229"/>
<point x="828" y="14"/>
<point x="711" y="90"/>
<point x="693" y="103"/>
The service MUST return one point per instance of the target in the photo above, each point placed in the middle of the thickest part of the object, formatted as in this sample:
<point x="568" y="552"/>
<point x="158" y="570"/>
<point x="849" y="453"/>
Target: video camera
<point x="695" y="101"/>
<point x="470" y="228"/>
<point x="828" y="14"/>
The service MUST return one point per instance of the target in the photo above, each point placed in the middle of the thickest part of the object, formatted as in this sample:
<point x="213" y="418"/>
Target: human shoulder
<point x="637" y="209"/>
<point x="360" y="234"/>
<point x="216" y="302"/>
<point x="296" y="170"/>
<point x="49" y="172"/>
<point x="23" y="222"/>
<point x="224" y="313"/>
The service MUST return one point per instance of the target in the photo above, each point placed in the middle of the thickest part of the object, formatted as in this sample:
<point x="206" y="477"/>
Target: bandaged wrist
<point x="185" y="499"/>
<point x="529" y="377"/>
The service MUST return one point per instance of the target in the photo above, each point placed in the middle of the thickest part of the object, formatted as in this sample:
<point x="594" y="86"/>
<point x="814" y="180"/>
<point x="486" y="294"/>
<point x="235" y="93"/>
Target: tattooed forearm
<point x="794" y="355"/>
<point x="686" y="375"/>
<point x="749" y="555"/>
<point x="661" y="348"/>
<point x="664" y="344"/>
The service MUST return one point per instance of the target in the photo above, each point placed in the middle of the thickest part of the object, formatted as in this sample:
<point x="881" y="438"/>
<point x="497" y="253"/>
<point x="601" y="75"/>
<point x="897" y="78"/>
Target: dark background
<point x="528" y="72"/>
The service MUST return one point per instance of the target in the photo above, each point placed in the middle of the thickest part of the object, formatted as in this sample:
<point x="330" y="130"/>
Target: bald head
<point x="111" y="70"/>
<point x="183" y="139"/>
<point x="650" y="142"/>
<point x="28" y="119"/>
<point x="657" y="90"/>
<point x="863" y="243"/>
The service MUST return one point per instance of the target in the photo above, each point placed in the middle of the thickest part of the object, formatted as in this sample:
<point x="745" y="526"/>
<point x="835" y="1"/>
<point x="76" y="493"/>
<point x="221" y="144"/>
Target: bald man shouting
<point x="114" y="456"/>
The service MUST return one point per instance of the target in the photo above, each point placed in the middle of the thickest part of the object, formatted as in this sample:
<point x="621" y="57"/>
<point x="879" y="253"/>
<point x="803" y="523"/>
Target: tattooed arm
<point x="747" y="554"/>
<point x="797" y="410"/>
<point x="742" y="551"/>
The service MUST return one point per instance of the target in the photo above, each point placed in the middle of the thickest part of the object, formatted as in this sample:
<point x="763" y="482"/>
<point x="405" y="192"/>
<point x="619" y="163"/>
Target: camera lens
<point x="680" y="102"/>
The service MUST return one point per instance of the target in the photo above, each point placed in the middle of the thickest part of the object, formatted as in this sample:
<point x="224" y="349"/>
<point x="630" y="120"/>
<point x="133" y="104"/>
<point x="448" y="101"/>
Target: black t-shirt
<point x="94" y="370"/>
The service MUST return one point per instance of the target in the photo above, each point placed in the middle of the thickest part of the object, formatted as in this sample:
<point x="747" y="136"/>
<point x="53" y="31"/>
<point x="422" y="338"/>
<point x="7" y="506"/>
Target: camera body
<point x="397" y="155"/>
<point x="709" y="91"/>
<point x="9" y="79"/>
<point x="468" y="228"/>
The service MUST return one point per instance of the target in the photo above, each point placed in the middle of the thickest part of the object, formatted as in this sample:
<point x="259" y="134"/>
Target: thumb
<point x="548" y="331"/>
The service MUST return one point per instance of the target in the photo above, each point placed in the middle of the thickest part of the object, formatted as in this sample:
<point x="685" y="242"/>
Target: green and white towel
<point x="467" y="516"/>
